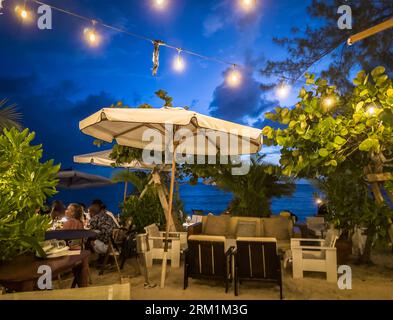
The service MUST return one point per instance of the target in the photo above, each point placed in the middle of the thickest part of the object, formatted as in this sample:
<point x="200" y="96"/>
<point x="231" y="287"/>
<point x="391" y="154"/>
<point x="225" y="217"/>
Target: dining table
<point x="21" y="273"/>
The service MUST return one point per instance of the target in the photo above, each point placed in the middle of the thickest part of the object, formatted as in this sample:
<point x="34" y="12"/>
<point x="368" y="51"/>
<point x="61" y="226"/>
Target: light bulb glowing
<point x="247" y="5"/>
<point x="178" y="63"/>
<point x="329" y="102"/>
<point x="22" y="13"/>
<point x="371" y="111"/>
<point x="91" y="36"/>
<point x="318" y="201"/>
<point x="283" y="91"/>
<point x="234" y="78"/>
<point x="160" y="4"/>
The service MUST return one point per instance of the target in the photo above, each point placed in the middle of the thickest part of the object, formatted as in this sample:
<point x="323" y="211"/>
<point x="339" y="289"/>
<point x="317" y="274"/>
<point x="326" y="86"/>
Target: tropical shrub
<point x="329" y="133"/>
<point x="25" y="184"/>
<point x="143" y="211"/>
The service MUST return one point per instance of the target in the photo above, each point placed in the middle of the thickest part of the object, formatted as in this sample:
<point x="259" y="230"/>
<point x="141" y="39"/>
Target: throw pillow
<point x="276" y="228"/>
<point x="216" y="225"/>
<point x="246" y="229"/>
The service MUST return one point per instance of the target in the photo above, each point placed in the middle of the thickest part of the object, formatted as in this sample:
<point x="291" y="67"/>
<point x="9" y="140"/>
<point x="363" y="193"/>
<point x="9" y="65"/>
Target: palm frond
<point x="9" y="116"/>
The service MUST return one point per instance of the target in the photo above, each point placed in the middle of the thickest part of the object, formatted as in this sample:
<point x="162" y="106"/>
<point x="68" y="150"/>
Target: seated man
<point x="103" y="224"/>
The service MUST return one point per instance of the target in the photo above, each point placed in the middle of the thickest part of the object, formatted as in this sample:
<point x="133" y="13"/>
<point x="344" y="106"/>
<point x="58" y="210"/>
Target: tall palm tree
<point x="254" y="191"/>
<point x="9" y="115"/>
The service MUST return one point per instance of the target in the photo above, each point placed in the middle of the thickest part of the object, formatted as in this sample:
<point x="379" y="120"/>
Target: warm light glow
<point x="371" y="111"/>
<point x="22" y="13"/>
<point x="328" y="102"/>
<point x="178" y="63"/>
<point x="283" y="91"/>
<point x="160" y="4"/>
<point x="318" y="201"/>
<point x="92" y="36"/>
<point x="247" y="5"/>
<point x="234" y="78"/>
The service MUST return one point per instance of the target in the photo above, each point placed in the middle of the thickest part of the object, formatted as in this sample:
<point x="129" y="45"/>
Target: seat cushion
<point x="216" y="225"/>
<point x="246" y="229"/>
<point x="277" y="227"/>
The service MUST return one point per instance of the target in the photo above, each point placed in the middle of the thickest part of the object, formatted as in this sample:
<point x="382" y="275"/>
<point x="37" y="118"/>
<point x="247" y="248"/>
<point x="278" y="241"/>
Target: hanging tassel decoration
<point x="156" y="55"/>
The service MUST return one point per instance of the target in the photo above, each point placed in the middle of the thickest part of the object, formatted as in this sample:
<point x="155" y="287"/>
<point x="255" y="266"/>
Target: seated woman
<point x="74" y="213"/>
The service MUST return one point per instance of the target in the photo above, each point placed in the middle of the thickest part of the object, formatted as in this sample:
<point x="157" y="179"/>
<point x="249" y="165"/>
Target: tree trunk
<point x="378" y="197"/>
<point x="365" y="258"/>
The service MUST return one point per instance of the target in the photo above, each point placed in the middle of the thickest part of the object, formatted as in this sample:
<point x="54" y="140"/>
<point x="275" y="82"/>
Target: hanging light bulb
<point x="160" y="4"/>
<point x="329" y="102"/>
<point x="234" y="77"/>
<point x="283" y="90"/>
<point x="92" y="36"/>
<point x="371" y="110"/>
<point x="178" y="62"/>
<point x="23" y="13"/>
<point x="247" y="5"/>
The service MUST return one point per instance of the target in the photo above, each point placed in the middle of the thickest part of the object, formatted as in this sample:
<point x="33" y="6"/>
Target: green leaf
<point x="378" y="71"/>
<point x="363" y="93"/>
<point x="323" y="152"/>
<point x="339" y="140"/>
<point x="368" y="144"/>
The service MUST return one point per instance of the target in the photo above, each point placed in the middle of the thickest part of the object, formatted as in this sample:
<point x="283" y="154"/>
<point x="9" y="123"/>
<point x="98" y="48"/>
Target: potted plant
<point x="25" y="184"/>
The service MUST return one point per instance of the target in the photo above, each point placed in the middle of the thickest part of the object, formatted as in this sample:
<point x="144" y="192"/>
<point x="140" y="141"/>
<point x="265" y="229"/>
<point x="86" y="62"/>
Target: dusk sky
<point x="56" y="79"/>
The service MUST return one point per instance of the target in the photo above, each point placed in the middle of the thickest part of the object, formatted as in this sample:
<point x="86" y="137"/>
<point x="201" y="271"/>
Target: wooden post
<point x="371" y="31"/>
<point x="165" y="255"/>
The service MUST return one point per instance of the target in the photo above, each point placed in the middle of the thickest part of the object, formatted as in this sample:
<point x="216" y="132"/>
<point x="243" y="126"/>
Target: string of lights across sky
<point x="93" y="38"/>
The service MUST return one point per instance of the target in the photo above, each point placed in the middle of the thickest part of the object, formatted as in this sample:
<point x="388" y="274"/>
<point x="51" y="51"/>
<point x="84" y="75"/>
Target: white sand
<point x="369" y="282"/>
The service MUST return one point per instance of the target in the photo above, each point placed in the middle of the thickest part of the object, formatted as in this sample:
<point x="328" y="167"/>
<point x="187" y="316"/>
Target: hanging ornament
<point x="156" y="55"/>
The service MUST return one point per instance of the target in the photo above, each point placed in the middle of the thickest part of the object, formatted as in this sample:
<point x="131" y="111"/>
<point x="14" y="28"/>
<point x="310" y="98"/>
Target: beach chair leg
<point x="185" y="276"/>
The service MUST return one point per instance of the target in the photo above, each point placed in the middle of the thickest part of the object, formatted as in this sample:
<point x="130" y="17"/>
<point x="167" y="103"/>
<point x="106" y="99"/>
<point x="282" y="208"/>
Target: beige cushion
<point x="246" y="229"/>
<point x="234" y="221"/>
<point x="256" y="239"/>
<point x="217" y="225"/>
<point x="153" y="231"/>
<point x="277" y="227"/>
<point x="198" y="237"/>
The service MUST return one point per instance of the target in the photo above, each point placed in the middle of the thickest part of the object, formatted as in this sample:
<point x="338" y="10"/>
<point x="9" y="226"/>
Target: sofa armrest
<point x="194" y="229"/>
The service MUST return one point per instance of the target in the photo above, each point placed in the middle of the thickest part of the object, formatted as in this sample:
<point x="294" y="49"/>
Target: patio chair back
<point x="206" y="258"/>
<point x="257" y="259"/>
<point x="206" y="255"/>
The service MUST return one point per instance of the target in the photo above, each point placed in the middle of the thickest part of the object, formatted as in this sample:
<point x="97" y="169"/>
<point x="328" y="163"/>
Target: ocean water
<point x="200" y="197"/>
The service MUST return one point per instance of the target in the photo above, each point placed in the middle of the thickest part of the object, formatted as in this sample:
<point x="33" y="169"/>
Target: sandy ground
<point x="369" y="282"/>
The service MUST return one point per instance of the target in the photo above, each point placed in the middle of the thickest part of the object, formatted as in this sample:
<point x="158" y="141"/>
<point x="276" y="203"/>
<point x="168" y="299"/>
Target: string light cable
<point x="156" y="43"/>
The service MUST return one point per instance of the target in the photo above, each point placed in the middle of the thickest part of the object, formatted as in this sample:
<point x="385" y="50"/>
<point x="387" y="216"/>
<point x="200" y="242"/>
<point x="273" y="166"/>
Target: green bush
<point x="143" y="212"/>
<point x="25" y="183"/>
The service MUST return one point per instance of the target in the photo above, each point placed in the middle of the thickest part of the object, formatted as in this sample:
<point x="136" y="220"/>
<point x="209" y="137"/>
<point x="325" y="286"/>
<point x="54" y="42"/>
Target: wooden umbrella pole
<point x="125" y="187"/>
<point x="170" y="206"/>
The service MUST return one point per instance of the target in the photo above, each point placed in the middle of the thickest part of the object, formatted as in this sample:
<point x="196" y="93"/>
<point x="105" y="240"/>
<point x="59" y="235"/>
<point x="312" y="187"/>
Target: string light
<point x="247" y="5"/>
<point x="160" y="4"/>
<point x="92" y="36"/>
<point x="318" y="201"/>
<point x="329" y="102"/>
<point x="234" y="77"/>
<point x="283" y="90"/>
<point x="371" y="111"/>
<point x="23" y="13"/>
<point x="178" y="62"/>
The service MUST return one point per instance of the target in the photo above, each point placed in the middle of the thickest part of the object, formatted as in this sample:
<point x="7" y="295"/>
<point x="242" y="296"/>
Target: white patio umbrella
<point x="205" y="136"/>
<point x="102" y="158"/>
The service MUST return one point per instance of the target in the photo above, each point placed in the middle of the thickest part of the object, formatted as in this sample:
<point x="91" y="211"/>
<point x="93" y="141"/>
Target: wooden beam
<point x="379" y="177"/>
<point x="371" y="31"/>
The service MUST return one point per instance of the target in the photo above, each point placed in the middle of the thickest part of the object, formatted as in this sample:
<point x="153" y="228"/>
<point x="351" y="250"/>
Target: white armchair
<point x="155" y="241"/>
<point x="319" y="258"/>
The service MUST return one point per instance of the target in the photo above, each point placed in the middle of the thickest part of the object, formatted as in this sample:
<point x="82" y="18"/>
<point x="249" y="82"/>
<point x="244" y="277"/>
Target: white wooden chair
<point x="316" y="225"/>
<point x="319" y="258"/>
<point x="155" y="241"/>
